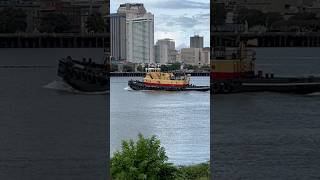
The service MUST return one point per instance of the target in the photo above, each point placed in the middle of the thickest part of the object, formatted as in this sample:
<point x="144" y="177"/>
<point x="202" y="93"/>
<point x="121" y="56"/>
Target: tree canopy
<point x="145" y="159"/>
<point x="12" y="20"/>
<point x="55" y="23"/>
<point x="95" y="23"/>
<point x="252" y="16"/>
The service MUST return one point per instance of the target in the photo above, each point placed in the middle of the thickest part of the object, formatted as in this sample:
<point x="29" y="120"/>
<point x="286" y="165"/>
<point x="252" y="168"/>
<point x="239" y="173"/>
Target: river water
<point x="47" y="130"/>
<point x="269" y="135"/>
<point x="180" y="120"/>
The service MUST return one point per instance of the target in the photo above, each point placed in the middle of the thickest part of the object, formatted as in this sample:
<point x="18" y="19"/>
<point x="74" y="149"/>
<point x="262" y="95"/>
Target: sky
<point x="176" y="19"/>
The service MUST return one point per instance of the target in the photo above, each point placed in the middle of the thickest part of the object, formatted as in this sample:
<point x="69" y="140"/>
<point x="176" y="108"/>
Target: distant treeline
<point x="272" y="21"/>
<point x="13" y="20"/>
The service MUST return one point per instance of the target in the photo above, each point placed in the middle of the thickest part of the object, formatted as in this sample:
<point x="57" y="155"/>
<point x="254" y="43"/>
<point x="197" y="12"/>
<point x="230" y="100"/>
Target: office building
<point x="118" y="36"/>
<point x="196" y="42"/>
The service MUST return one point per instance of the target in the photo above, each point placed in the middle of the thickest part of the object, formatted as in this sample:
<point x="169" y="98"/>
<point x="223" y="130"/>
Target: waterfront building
<point x="131" y="8"/>
<point x="195" y="56"/>
<point x="118" y="36"/>
<point x="196" y="42"/>
<point x="205" y="56"/>
<point x="191" y="56"/>
<point x="165" y="51"/>
<point x="139" y="33"/>
<point x="140" y="38"/>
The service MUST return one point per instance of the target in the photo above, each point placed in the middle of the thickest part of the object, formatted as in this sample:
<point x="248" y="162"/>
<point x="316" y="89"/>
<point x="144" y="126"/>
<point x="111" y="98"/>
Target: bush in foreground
<point x="145" y="159"/>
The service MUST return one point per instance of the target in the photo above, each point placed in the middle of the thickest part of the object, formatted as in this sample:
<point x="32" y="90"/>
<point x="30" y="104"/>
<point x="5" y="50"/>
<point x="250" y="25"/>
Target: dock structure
<point x="268" y="39"/>
<point x="65" y="40"/>
<point x="142" y="74"/>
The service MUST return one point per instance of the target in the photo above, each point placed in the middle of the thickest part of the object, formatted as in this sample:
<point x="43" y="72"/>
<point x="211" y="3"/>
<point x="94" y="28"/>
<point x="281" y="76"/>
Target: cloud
<point x="176" y="19"/>
<point x="184" y="21"/>
<point x="178" y="4"/>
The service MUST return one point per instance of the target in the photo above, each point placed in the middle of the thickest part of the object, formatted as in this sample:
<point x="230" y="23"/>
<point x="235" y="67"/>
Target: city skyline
<point x="172" y="21"/>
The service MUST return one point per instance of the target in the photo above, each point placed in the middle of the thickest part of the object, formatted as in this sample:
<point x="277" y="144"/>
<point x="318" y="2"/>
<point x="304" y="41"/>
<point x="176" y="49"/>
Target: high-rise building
<point x="205" y="56"/>
<point x="165" y="51"/>
<point x="196" y="41"/>
<point x="118" y="36"/>
<point x="139" y="33"/>
<point x="191" y="56"/>
<point x="140" y="38"/>
<point x="134" y="8"/>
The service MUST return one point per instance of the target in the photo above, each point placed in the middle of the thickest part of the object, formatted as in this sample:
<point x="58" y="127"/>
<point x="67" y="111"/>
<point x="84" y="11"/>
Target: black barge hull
<point x="279" y="85"/>
<point x="86" y="78"/>
<point x="138" y="85"/>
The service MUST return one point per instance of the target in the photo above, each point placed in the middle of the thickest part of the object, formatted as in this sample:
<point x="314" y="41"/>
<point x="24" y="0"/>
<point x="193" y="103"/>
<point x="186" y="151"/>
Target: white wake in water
<point x="128" y="89"/>
<point x="314" y="94"/>
<point x="60" y="85"/>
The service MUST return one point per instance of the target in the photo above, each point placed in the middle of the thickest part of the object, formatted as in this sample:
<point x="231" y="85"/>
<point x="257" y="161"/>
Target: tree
<point x="140" y="68"/>
<point x="176" y="66"/>
<point x="273" y="17"/>
<point x="12" y="20"/>
<point x="145" y="159"/>
<point x="252" y="16"/>
<point x="55" y="23"/>
<point x="127" y="68"/>
<point x="95" y="23"/>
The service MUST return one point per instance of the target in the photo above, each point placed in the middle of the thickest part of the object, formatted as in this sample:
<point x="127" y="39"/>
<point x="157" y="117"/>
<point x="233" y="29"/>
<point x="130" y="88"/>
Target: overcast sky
<point x="176" y="19"/>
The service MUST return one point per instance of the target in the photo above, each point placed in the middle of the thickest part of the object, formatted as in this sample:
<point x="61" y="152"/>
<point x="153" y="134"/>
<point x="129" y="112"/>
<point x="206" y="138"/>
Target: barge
<point x="85" y="76"/>
<point x="233" y="71"/>
<point x="157" y="80"/>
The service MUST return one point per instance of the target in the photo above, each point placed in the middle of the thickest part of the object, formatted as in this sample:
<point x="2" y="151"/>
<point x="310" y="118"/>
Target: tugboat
<point x="157" y="80"/>
<point x="85" y="76"/>
<point x="233" y="71"/>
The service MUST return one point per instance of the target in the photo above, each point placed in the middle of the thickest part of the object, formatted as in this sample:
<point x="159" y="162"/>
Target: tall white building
<point x="118" y="36"/>
<point x="165" y="51"/>
<point x="132" y="8"/>
<point x="139" y="33"/>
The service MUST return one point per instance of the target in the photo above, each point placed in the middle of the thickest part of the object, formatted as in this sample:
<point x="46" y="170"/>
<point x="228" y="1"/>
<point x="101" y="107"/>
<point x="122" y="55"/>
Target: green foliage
<point x="252" y="16"/>
<point x="55" y="23"/>
<point x="127" y="68"/>
<point x="170" y="67"/>
<point x="114" y="67"/>
<point x="145" y="159"/>
<point x="140" y="68"/>
<point x="176" y="66"/>
<point x="95" y="23"/>
<point x="12" y="20"/>
<point x="194" y="172"/>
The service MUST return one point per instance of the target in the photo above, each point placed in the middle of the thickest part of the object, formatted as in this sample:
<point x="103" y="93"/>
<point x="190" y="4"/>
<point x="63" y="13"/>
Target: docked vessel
<point x="157" y="80"/>
<point x="84" y="75"/>
<point x="233" y="71"/>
